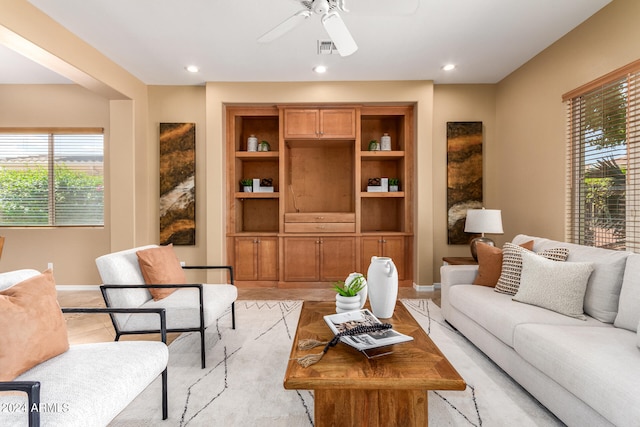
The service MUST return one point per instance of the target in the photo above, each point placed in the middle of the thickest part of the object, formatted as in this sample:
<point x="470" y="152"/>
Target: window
<point x="51" y="177"/>
<point x="604" y="161"/>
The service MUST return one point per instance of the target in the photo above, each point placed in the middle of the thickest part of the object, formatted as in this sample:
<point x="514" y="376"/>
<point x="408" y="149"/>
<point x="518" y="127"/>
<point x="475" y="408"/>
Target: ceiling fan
<point x="331" y="20"/>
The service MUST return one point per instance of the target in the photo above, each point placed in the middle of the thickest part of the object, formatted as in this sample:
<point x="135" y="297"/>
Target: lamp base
<point x="474" y="243"/>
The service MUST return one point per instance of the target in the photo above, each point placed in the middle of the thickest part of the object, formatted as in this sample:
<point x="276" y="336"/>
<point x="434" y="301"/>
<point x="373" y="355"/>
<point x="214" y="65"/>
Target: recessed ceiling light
<point x="320" y="69"/>
<point x="449" y="67"/>
<point x="192" y="68"/>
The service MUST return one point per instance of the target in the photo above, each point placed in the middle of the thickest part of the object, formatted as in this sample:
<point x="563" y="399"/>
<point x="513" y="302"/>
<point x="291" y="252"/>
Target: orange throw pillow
<point x="32" y="327"/>
<point x="490" y="263"/>
<point x="161" y="266"/>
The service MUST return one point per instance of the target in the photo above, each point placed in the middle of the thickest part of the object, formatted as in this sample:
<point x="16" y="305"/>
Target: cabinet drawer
<point x="319" y="227"/>
<point x="320" y="217"/>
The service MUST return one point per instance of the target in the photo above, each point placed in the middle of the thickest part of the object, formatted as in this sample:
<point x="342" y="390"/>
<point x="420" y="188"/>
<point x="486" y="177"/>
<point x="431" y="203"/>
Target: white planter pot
<point x="248" y="188"/>
<point x="344" y="304"/>
<point x="382" y="281"/>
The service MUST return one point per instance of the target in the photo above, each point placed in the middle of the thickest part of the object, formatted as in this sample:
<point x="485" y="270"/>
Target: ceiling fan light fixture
<point x="339" y="34"/>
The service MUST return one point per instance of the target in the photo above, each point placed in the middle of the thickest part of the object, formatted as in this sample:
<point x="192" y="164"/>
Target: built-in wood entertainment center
<point x="316" y="222"/>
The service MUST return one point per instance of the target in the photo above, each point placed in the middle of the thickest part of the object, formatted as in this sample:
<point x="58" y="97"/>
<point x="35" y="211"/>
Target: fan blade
<point x="339" y="33"/>
<point x="285" y="26"/>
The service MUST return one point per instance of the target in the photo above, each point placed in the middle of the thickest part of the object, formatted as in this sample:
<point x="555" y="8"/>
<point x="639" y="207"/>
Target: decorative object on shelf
<point x="177" y="183"/>
<point x="483" y="221"/>
<point x="394" y="184"/>
<point x="351" y="294"/>
<point x="382" y="281"/>
<point x="252" y="143"/>
<point x="373" y="145"/>
<point x="264" y="146"/>
<point x="385" y="142"/>
<point x="464" y="176"/>
<point x="374" y="185"/>
<point x="247" y="185"/>
<point x="266" y="182"/>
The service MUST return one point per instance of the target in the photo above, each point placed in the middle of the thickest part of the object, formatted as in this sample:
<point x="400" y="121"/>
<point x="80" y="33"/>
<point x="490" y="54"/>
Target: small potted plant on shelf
<point x="393" y="184"/>
<point x="247" y="185"/>
<point x="373" y="145"/>
<point x="264" y="146"/>
<point x="351" y="293"/>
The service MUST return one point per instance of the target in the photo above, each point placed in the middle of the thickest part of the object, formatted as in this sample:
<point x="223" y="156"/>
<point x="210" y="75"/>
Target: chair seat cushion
<point x="181" y="308"/>
<point x="91" y="383"/>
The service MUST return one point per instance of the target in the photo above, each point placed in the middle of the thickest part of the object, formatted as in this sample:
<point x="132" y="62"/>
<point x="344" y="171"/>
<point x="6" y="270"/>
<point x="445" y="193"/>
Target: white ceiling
<point x="155" y="39"/>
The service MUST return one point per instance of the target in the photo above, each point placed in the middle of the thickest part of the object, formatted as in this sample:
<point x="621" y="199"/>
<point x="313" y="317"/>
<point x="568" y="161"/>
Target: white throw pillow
<point x="557" y="286"/>
<point x="509" y="280"/>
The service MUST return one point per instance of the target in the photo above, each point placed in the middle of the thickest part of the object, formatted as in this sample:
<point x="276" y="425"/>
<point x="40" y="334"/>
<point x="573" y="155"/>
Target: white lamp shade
<point x="484" y="221"/>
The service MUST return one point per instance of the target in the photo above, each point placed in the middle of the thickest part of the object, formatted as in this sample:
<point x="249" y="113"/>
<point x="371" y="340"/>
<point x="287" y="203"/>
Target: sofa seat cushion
<point x="603" y="288"/>
<point x="599" y="365"/>
<point x="91" y="383"/>
<point x="500" y="315"/>
<point x="180" y="308"/>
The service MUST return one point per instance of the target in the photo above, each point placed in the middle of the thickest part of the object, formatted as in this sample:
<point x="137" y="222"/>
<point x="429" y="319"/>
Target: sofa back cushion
<point x="629" y="304"/>
<point x="122" y="268"/>
<point x="32" y="327"/>
<point x="603" y="289"/>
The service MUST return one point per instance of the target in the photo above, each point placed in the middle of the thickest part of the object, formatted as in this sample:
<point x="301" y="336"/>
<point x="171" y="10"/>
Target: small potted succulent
<point x="393" y="184"/>
<point x="351" y="293"/>
<point x="247" y="185"/>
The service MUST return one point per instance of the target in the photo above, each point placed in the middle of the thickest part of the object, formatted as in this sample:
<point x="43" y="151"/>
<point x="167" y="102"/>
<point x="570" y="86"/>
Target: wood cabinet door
<point x="301" y="123"/>
<point x="337" y="258"/>
<point x="301" y="259"/>
<point x="267" y="258"/>
<point x="392" y="247"/>
<point x="245" y="258"/>
<point x="338" y="123"/>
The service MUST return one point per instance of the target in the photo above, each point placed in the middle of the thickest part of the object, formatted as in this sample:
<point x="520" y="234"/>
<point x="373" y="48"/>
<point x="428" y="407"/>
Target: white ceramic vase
<point x="382" y="281"/>
<point x="252" y="143"/>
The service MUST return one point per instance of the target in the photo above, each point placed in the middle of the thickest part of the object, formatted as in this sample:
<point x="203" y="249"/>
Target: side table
<point x="459" y="260"/>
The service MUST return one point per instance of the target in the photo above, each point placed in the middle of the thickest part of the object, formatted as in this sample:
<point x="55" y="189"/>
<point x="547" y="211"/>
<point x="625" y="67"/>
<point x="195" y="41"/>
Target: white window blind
<point x="51" y="177"/>
<point x="603" y="195"/>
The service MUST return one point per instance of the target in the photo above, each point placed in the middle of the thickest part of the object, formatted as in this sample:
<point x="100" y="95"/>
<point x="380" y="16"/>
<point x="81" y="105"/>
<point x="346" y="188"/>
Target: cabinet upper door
<point x="330" y="123"/>
<point x="301" y="123"/>
<point x="338" y="123"/>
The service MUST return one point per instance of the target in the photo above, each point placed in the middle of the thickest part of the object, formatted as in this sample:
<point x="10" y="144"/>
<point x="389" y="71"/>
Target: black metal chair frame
<point x="201" y="328"/>
<point x="32" y="388"/>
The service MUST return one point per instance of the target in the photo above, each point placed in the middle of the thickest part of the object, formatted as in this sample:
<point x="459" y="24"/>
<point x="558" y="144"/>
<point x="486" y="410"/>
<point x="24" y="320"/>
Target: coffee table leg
<point x="371" y="408"/>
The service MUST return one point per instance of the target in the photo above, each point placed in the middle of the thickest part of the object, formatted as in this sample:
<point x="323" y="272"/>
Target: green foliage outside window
<point x="24" y="197"/>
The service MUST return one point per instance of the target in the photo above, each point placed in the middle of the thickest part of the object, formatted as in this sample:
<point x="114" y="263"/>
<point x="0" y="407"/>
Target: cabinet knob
<point x="384" y="241"/>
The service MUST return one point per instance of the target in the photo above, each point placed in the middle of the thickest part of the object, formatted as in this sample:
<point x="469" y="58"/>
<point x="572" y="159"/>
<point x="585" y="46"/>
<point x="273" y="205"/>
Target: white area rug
<point x="242" y="384"/>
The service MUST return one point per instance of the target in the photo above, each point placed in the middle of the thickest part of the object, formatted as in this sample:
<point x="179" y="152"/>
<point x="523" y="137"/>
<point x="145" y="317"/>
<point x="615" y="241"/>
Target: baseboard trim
<point x="426" y="288"/>
<point x="77" y="287"/>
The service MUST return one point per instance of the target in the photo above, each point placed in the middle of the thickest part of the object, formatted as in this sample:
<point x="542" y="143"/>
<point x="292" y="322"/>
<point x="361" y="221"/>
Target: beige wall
<point x="460" y="103"/>
<point x="71" y="250"/>
<point x="528" y="177"/>
<point x="523" y="117"/>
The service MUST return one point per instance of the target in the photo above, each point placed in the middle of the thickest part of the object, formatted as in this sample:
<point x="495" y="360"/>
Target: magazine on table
<point x="366" y="342"/>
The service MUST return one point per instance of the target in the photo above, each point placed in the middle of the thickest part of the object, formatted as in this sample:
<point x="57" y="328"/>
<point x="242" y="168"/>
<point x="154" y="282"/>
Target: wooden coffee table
<point x="350" y="389"/>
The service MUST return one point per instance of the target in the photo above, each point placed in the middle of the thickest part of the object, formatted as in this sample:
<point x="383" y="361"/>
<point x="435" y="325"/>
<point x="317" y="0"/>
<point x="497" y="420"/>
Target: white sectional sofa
<point x="587" y="372"/>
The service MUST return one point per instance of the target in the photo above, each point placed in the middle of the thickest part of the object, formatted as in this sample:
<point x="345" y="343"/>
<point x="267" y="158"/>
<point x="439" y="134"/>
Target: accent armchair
<point x="190" y="308"/>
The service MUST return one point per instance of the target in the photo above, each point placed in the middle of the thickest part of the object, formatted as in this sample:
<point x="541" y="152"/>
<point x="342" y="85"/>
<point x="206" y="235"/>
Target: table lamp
<point x="483" y="221"/>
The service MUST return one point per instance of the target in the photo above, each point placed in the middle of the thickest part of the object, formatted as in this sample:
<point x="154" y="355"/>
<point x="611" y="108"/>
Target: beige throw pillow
<point x="512" y="265"/>
<point x="557" y="286"/>
<point x="32" y="327"/>
<point x="490" y="263"/>
<point x="161" y="266"/>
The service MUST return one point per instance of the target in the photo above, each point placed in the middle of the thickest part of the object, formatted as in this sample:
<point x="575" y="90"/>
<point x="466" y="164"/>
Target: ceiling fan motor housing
<point x="320" y="6"/>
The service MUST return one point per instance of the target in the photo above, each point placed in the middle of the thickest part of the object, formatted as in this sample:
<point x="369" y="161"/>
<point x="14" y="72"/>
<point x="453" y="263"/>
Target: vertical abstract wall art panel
<point x="177" y="183"/>
<point x="464" y="177"/>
